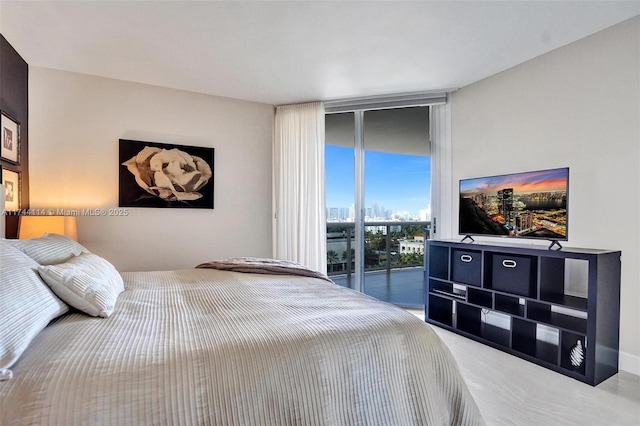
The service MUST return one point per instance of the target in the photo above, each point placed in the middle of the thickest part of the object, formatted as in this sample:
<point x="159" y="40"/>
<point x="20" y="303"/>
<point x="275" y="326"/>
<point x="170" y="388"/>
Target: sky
<point x="396" y="181"/>
<point x="522" y="183"/>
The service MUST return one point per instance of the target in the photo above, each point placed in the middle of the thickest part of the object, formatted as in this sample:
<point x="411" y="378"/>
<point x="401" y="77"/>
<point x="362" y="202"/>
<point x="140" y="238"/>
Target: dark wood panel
<point x="14" y="101"/>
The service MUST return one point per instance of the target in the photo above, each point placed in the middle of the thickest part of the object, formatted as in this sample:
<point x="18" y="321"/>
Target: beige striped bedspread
<point x="211" y="347"/>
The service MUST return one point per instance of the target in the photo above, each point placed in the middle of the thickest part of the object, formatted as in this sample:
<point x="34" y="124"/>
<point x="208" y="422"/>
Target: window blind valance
<point x="386" y="102"/>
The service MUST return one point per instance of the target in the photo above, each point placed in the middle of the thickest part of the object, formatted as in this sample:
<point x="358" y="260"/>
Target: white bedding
<point x="211" y="347"/>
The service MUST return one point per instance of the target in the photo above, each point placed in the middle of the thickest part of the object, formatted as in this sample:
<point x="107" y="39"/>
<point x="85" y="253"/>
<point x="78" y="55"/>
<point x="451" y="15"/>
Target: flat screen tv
<point x="521" y="205"/>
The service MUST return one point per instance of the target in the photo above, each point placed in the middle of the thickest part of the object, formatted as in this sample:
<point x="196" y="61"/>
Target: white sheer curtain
<point x="299" y="227"/>
<point x="441" y="165"/>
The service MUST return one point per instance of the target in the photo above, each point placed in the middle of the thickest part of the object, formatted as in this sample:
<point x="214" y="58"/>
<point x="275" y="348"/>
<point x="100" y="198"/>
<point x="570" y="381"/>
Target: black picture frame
<point x="11" y="179"/>
<point x="153" y="174"/>
<point x="9" y="139"/>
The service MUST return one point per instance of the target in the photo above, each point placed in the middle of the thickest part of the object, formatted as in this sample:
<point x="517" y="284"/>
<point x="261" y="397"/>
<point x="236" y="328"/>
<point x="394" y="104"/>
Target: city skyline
<point x="530" y="204"/>
<point x="394" y="182"/>
<point x="553" y="180"/>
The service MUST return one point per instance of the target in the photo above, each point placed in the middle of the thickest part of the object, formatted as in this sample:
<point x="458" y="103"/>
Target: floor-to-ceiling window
<point x="378" y="176"/>
<point x="340" y="196"/>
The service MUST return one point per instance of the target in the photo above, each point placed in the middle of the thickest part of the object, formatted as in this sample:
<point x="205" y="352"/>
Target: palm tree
<point x="405" y="258"/>
<point x="332" y="257"/>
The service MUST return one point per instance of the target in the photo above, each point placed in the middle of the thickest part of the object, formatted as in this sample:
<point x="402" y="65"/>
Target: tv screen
<point x="527" y="205"/>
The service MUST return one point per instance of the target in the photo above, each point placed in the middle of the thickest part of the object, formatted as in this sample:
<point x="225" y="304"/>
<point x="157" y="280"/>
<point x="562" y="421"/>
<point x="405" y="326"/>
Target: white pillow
<point x="26" y="304"/>
<point x="50" y="249"/>
<point x="86" y="282"/>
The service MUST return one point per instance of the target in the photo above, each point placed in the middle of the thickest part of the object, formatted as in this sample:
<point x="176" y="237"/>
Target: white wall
<point x="578" y="106"/>
<point x="75" y="123"/>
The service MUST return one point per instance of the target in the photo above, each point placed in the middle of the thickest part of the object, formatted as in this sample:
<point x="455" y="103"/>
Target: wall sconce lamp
<point x="37" y="226"/>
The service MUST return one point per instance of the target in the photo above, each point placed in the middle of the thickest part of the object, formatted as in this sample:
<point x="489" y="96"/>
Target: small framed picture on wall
<point x="11" y="182"/>
<point x="9" y="139"/>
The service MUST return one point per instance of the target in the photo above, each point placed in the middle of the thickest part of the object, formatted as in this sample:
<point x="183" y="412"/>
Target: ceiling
<point x="280" y="52"/>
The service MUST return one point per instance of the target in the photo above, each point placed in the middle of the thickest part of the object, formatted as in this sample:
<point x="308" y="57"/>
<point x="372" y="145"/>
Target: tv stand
<point x="555" y="243"/>
<point x="468" y="237"/>
<point x="557" y="308"/>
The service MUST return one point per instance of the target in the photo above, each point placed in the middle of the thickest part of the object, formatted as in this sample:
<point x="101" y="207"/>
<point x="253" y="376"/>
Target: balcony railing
<point x="388" y="245"/>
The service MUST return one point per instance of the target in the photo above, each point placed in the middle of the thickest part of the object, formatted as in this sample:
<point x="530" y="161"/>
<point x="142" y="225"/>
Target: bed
<point x="211" y="346"/>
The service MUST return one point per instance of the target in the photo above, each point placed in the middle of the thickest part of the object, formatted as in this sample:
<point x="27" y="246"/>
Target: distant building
<point x="524" y="222"/>
<point x="336" y="214"/>
<point x="337" y="242"/>
<point x="402" y="215"/>
<point x="505" y="204"/>
<point x="333" y="213"/>
<point x="415" y="245"/>
<point x="377" y="229"/>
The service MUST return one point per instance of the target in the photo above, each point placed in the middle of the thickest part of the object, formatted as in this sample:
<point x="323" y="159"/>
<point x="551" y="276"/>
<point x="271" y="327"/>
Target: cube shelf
<point x="542" y="312"/>
<point x="532" y="302"/>
<point x="569" y="344"/>
<point x="480" y="297"/>
<point x="527" y="340"/>
<point x="509" y="304"/>
<point x="440" y="310"/>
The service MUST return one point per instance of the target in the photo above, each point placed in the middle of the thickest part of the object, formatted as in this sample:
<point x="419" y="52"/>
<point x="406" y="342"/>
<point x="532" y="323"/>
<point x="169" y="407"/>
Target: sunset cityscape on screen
<point x="529" y="205"/>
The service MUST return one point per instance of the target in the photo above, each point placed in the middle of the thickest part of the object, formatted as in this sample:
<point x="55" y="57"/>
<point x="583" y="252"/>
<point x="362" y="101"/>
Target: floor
<point x="511" y="391"/>
<point x="402" y="287"/>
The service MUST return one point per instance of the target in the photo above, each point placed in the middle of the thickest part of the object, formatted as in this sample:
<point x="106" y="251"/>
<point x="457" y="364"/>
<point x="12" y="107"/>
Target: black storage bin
<point x="514" y="274"/>
<point x="466" y="266"/>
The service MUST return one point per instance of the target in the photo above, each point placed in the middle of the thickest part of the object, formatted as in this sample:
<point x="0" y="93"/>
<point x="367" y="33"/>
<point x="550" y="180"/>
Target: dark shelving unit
<point x="508" y="304"/>
<point x="480" y="297"/>
<point x="557" y="308"/>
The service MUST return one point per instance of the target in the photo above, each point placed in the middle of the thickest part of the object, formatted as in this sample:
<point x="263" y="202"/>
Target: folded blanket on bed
<point x="263" y="266"/>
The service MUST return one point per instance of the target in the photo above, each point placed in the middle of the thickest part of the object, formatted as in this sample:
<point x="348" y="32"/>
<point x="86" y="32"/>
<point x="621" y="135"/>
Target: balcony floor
<point x="402" y="287"/>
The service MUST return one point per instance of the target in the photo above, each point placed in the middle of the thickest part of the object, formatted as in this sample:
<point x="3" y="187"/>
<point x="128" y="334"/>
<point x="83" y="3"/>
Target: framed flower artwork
<point x="164" y="175"/>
